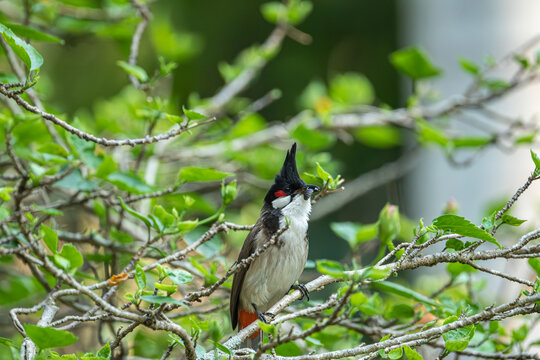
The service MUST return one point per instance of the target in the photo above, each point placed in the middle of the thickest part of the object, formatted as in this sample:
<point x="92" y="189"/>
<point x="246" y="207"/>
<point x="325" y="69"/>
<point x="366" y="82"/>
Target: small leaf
<point x="160" y="299"/>
<point x="194" y="174"/>
<point x="469" y="66"/>
<point x="414" y="62"/>
<point x="536" y="161"/>
<point x="511" y="220"/>
<point x="323" y="174"/>
<point x="140" y="277"/>
<point x="33" y="34"/>
<point x="26" y="52"/>
<point x="274" y="12"/>
<point x="138" y="215"/>
<point x="351" y="89"/>
<point x="163" y="216"/>
<point x="105" y="351"/>
<point x="462" y="226"/>
<point x="267" y="328"/>
<point x="457" y="268"/>
<point x="128" y="182"/>
<point x="221" y="347"/>
<point x="535" y="264"/>
<point x="187" y="225"/>
<point x="394" y="288"/>
<point x="412" y="354"/>
<point x="193" y="115"/>
<point x="458" y="339"/>
<point x="401" y="312"/>
<point x="134" y="70"/>
<point x="331" y="268"/>
<point x="179" y="276"/>
<point x="75" y="258"/>
<point x="169" y="289"/>
<point x="50" y="238"/>
<point x="48" y="337"/>
<point x="376" y="273"/>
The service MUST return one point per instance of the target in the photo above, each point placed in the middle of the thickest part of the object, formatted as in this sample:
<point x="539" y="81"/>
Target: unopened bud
<point x="228" y="192"/>
<point x="389" y="224"/>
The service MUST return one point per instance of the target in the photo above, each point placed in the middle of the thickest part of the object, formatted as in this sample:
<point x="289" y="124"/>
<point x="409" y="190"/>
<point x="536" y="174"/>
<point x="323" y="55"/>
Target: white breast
<point x="271" y="275"/>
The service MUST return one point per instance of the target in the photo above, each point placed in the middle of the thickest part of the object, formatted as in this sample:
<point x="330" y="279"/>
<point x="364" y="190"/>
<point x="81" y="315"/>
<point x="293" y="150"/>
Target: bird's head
<point x="288" y="185"/>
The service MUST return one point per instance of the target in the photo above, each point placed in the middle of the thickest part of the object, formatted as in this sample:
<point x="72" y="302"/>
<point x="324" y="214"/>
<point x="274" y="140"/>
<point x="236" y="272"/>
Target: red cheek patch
<point x="280" y="193"/>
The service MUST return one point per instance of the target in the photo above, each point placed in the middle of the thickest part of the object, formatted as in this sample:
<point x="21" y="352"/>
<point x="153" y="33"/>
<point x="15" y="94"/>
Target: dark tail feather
<point x="253" y="342"/>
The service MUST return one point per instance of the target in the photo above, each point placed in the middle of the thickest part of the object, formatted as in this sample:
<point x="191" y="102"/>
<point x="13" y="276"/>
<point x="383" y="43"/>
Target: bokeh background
<point x="80" y="77"/>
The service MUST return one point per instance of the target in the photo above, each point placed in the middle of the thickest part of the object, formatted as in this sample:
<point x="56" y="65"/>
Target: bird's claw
<point x="265" y="317"/>
<point x="302" y="288"/>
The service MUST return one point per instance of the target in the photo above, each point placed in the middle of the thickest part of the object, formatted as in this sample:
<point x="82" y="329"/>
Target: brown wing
<point x="238" y="280"/>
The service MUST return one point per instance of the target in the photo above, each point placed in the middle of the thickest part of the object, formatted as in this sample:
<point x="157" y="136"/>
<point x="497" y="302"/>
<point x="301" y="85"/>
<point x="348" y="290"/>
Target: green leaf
<point x="107" y="167"/>
<point x="313" y="139"/>
<point x="457" y="268"/>
<point x="140" y="277"/>
<point x="458" y="339"/>
<point x="536" y="161"/>
<point x="50" y="238"/>
<point x="179" y="276"/>
<point x="193" y="174"/>
<point x="105" y="351"/>
<point x="395" y="354"/>
<point x="471" y="141"/>
<point x="138" y="215"/>
<point x="351" y="89"/>
<point x="375" y="273"/>
<point x="75" y="181"/>
<point x="323" y="174"/>
<point x="511" y="220"/>
<point x="33" y="34"/>
<point x="412" y="354"/>
<point x="394" y="288"/>
<point x="462" y="226"/>
<point x="26" y="52"/>
<point x="428" y="133"/>
<point x="414" y="62"/>
<point x="347" y="231"/>
<point x="535" y="264"/>
<point x="187" y="225"/>
<point x="160" y="299"/>
<point x="129" y="183"/>
<point x="298" y="10"/>
<point x="401" y="312"/>
<point x="193" y="115"/>
<point x="469" y="66"/>
<point x="331" y="268"/>
<point x="380" y="137"/>
<point x="48" y="337"/>
<point x="267" y="328"/>
<point x="163" y="216"/>
<point x="133" y="70"/>
<point x="169" y="289"/>
<point x="75" y="258"/>
<point x="274" y="12"/>
<point x="221" y="347"/>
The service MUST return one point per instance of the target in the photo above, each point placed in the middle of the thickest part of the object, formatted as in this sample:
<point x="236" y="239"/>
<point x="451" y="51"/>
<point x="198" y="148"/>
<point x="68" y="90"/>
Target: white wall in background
<point x="474" y="29"/>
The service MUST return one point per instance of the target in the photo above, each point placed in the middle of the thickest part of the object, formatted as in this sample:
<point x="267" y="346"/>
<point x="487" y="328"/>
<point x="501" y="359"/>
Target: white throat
<point x="296" y="214"/>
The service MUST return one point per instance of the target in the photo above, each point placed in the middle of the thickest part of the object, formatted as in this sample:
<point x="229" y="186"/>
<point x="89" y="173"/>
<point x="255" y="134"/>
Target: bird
<point x="270" y="276"/>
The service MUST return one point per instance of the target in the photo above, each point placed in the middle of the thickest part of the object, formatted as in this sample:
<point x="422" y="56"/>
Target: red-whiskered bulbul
<point x="257" y="287"/>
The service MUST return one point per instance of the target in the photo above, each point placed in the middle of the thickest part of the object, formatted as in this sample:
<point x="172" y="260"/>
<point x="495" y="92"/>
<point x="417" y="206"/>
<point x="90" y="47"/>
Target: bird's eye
<point x="280" y="193"/>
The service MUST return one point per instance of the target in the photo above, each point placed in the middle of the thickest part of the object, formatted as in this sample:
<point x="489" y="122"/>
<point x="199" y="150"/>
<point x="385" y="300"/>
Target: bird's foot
<point x="265" y="317"/>
<point x="302" y="288"/>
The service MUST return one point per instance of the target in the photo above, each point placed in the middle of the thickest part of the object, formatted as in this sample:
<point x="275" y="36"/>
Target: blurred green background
<point x="347" y="36"/>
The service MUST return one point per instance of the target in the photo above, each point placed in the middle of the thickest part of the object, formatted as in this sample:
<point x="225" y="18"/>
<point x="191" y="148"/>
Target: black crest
<point x="287" y="179"/>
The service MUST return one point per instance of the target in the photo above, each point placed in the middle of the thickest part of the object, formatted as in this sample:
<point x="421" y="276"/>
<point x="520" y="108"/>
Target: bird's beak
<point x="309" y="190"/>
